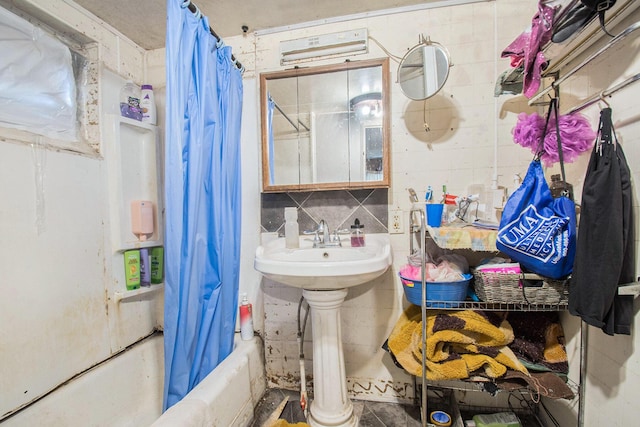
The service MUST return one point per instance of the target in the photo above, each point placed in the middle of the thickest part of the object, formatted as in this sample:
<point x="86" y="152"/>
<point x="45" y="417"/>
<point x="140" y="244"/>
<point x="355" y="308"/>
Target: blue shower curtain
<point x="202" y="201"/>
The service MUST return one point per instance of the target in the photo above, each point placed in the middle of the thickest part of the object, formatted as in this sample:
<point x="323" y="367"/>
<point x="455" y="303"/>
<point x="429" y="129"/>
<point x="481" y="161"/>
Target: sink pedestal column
<point x="330" y="405"/>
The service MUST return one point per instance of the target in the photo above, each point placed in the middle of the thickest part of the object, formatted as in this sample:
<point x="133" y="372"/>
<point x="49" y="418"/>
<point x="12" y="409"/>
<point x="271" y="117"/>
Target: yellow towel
<point x="458" y="343"/>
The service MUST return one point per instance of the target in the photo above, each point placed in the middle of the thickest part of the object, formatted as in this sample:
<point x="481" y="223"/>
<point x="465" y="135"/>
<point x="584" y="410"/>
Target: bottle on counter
<point x="291" y="229"/>
<point x="357" y="234"/>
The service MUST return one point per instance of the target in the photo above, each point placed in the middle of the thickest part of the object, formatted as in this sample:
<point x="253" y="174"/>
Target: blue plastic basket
<point x="438" y="293"/>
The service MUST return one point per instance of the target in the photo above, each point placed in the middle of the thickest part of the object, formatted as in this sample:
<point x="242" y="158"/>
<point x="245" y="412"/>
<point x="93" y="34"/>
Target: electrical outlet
<point x="395" y="222"/>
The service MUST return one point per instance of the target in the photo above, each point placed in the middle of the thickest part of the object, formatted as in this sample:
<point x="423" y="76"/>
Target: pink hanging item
<point x="575" y="133"/>
<point x="526" y="49"/>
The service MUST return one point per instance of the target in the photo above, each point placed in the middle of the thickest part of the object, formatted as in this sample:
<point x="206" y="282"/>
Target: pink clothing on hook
<point x="526" y="49"/>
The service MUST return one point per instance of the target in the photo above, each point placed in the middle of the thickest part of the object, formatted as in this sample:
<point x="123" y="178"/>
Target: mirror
<point x="423" y="70"/>
<point x="326" y="128"/>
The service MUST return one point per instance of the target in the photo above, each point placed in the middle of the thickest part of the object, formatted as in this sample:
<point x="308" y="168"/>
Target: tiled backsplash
<point x="338" y="208"/>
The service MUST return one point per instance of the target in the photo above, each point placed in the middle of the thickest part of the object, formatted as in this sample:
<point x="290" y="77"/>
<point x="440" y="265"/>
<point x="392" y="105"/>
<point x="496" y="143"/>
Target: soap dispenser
<point x="291" y="230"/>
<point x="357" y="234"/>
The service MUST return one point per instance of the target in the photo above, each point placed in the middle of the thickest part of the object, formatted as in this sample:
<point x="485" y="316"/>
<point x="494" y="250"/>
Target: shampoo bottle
<point x="156" y="259"/>
<point x="148" y="104"/>
<point x="132" y="269"/>
<point x="291" y="230"/>
<point x="246" y="319"/>
<point x="145" y="267"/>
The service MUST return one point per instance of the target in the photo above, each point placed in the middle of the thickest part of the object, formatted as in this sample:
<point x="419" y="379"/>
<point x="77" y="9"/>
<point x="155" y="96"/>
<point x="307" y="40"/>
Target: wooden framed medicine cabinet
<point x="327" y="127"/>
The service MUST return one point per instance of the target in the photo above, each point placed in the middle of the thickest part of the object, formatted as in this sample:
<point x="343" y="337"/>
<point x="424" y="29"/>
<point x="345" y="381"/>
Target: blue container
<point x="438" y="293"/>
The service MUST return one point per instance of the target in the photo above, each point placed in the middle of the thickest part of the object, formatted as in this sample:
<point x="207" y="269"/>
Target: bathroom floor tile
<point x="371" y="414"/>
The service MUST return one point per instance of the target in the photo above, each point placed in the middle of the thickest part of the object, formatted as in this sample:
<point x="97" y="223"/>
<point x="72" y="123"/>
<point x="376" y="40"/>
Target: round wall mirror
<point x="423" y="70"/>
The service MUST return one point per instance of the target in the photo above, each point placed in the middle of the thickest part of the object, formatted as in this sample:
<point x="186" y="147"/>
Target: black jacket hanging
<point x="605" y="249"/>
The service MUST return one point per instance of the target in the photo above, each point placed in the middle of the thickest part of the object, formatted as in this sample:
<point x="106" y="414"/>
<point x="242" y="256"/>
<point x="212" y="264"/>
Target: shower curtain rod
<point x="600" y="96"/>
<point x="196" y="10"/>
<point x="275" y="104"/>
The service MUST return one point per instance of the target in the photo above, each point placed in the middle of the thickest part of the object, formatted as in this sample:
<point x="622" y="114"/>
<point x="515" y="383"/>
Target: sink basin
<point x="324" y="268"/>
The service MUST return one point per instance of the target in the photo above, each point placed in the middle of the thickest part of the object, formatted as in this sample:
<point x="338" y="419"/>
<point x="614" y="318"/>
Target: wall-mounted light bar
<point x="335" y="44"/>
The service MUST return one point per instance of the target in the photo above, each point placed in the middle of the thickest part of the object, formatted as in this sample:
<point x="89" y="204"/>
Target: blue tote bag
<point x="537" y="230"/>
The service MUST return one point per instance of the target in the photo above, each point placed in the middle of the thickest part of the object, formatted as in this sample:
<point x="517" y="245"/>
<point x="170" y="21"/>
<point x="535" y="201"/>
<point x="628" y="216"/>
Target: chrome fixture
<point x="323" y="238"/>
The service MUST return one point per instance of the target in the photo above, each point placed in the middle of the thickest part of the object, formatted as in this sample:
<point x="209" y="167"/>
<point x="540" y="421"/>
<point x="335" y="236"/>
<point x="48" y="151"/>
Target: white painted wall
<point x="58" y="311"/>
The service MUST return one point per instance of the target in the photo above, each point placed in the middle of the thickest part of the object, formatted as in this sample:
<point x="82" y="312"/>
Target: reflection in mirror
<point x="326" y="127"/>
<point x="423" y="70"/>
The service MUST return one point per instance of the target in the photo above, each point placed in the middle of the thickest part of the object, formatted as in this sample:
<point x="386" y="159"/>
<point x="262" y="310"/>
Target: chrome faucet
<point x="323" y="232"/>
<point x="322" y="237"/>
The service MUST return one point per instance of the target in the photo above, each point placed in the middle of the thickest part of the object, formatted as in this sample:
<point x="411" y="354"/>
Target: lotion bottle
<point x="246" y="319"/>
<point x="148" y="104"/>
<point x="357" y="234"/>
<point x="291" y="230"/>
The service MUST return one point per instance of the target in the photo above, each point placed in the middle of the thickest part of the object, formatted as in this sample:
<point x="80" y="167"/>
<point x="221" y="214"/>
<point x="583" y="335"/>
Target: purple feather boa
<point x="575" y="133"/>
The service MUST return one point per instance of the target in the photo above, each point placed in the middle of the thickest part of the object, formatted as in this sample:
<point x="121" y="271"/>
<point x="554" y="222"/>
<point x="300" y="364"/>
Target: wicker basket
<point x="520" y="288"/>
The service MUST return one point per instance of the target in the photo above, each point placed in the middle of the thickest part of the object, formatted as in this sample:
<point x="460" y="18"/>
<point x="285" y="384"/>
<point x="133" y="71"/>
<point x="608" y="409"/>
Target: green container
<point x="132" y="269"/>
<point x="157" y="264"/>
<point x="502" y="419"/>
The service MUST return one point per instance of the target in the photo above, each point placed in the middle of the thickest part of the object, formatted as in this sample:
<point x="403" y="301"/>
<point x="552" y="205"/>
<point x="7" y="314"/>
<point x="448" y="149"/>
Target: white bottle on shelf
<point x="291" y="230"/>
<point x="148" y="105"/>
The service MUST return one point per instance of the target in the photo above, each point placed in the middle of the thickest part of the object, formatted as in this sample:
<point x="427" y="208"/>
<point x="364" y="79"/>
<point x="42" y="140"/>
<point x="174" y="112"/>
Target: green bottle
<point x="157" y="264"/>
<point x="132" y="269"/>
<point x="501" y="419"/>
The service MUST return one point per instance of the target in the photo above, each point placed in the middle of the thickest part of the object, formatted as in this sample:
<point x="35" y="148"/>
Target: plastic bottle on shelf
<point x="130" y="101"/>
<point x="291" y="229"/>
<point x="246" y="319"/>
<point x="148" y="105"/>
<point x="145" y="268"/>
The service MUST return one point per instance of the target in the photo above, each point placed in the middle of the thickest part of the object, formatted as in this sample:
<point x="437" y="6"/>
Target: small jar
<point x="357" y="234"/>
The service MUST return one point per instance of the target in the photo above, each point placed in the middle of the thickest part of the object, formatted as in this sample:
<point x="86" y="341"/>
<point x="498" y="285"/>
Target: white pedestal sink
<point x="324" y="274"/>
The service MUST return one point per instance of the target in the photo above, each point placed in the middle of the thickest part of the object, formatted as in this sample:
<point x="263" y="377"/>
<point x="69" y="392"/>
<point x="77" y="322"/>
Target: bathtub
<point x="227" y="396"/>
<point x="126" y="391"/>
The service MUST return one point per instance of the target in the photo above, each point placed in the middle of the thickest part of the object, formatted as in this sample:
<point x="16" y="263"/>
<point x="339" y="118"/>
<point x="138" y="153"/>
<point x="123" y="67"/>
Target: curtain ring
<point x="185" y="3"/>
<point x="220" y="44"/>
<point x="197" y="12"/>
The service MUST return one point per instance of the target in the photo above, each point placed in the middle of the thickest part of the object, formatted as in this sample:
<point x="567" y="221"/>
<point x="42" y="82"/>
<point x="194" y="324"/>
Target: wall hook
<point x="602" y="98"/>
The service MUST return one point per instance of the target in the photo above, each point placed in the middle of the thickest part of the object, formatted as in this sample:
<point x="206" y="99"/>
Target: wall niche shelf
<point x="133" y="156"/>
<point x="123" y="296"/>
